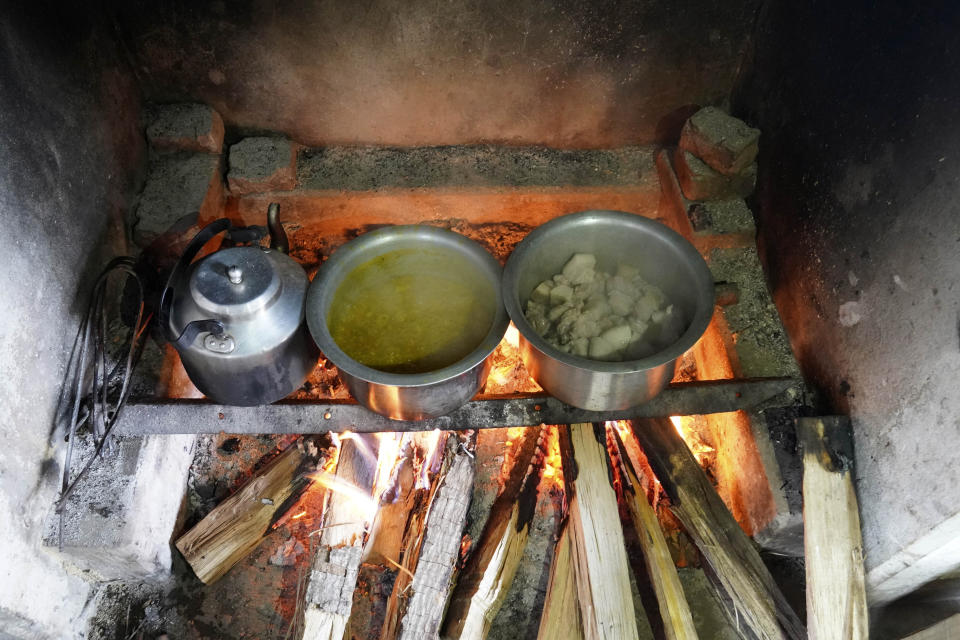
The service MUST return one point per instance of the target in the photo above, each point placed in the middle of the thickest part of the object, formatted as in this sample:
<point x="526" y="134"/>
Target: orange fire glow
<point x="552" y="465"/>
<point x="687" y="429"/>
<point x="364" y="504"/>
<point x="678" y="425"/>
<point x="299" y="515"/>
<point x="512" y="336"/>
<point x="507" y="372"/>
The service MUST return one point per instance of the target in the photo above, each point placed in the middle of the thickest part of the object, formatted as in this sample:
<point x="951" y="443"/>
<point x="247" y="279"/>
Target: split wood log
<point x="561" y="612"/>
<point x="422" y="612"/>
<point x="488" y="573"/>
<point x="672" y="603"/>
<point x="836" y="596"/>
<point x="597" y="544"/>
<point x="237" y="525"/>
<point x="333" y="575"/>
<point x="750" y="590"/>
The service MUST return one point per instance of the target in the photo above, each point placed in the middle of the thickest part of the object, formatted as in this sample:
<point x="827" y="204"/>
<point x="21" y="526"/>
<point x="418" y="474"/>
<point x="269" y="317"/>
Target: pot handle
<point x="196" y="327"/>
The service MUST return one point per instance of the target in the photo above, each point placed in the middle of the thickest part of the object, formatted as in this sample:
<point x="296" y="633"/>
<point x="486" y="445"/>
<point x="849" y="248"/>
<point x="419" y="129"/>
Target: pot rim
<point x="320" y="294"/>
<point x="702" y="276"/>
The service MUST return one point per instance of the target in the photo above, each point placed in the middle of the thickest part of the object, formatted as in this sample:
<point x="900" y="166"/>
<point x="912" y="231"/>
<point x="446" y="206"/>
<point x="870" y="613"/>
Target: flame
<point x="552" y="464"/>
<point x="678" y="425"/>
<point x="426" y="458"/>
<point x="687" y="429"/>
<point x="299" y="515"/>
<point x="388" y="455"/>
<point x="507" y="371"/>
<point x="364" y="504"/>
<point x="512" y="336"/>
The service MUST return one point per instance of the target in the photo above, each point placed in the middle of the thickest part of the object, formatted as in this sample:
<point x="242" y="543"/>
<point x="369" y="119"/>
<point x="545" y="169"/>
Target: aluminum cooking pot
<point x="236" y="317"/>
<point x="661" y="255"/>
<point x="407" y="396"/>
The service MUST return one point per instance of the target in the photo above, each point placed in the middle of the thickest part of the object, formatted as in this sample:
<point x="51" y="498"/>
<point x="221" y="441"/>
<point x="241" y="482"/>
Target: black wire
<point x="94" y="386"/>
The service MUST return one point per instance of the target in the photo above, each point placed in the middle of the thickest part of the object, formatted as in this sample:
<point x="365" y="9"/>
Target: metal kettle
<point x="236" y="316"/>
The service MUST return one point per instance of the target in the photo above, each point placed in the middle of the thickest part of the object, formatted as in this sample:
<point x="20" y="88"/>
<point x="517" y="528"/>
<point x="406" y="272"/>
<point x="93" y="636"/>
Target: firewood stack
<point x="391" y="559"/>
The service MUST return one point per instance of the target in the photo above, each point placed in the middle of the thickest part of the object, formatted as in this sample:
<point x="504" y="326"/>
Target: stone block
<point x="262" y="164"/>
<point x="721" y="216"/>
<point x="372" y="168"/>
<point x="177" y="185"/>
<point x="119" y="520"/>
<point x="759" y="338"/>
<point x="185" y="127"/>
<point x="725" y="143"/>
<point x="700" y="181"/>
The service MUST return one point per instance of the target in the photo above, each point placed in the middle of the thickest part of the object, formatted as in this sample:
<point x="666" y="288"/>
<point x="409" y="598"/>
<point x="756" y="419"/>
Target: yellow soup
<point x="412" y="310"/>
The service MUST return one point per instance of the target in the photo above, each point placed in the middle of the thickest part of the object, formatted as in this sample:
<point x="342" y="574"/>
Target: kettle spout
<point x="278" y="237"/>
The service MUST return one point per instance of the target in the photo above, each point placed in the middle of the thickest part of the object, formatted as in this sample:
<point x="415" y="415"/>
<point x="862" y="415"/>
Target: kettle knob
<point x="235" y="274"/>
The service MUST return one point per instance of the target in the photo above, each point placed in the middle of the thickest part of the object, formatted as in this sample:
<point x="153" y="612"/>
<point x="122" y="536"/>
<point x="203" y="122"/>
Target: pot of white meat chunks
<point x="606" y="302"/>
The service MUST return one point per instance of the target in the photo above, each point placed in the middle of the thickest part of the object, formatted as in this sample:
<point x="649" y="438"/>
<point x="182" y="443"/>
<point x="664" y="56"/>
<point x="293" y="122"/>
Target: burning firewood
<point x="393" y="547"/>
<point x="756" y="600"/>
<point x="486" y="578"/>
<point x="350" y="507"/>
<point x="598" y="548"/>
<point x="674" y="610"/>
<point x="422" y="611"/>
<point x="836" y="597"/>
<point x="237" y="525"/>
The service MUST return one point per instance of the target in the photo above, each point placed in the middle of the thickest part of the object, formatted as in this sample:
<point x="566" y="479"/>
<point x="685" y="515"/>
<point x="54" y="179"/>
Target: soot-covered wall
<point x="70" y="146"/>
<point x="859" y="217"/>
<point x="426" y="72"/>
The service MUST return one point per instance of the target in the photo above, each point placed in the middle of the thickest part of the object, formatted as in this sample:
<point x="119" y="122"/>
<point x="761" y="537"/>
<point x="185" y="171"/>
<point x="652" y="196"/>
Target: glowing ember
<point x="507" y="372"/>
<point x="687" y="428"/>
<point x="552" y="465"/>
<point x="331" y="464"/>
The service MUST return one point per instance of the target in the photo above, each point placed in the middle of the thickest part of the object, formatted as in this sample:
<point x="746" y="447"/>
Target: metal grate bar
<point x="152" y="416"/>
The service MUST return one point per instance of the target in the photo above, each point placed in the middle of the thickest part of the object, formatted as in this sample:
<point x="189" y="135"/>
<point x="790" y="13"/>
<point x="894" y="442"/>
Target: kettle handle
<point x="196" y="327"/>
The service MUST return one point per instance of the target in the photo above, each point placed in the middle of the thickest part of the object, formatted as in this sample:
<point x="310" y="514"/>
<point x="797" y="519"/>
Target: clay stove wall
<point x="859" y="221"/>
<point x="424" y="72"/>
<point x="69" y="145"/>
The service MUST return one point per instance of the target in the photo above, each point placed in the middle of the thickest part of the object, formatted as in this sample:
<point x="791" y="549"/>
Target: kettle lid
<point x="235" y="282"/>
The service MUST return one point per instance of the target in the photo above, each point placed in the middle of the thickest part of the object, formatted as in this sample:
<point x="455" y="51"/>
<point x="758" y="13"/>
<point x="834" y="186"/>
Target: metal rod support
<point x="155" y="416"/>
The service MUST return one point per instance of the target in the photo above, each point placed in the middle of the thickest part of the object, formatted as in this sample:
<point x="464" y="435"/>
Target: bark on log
<point x="423" y="610"/>
<point x="598" y="548"/>
<point x="756" y="599"/>
<point x="237" y="525"/>
<point x="836" y="596"/>
<point x="486" y="578"/>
